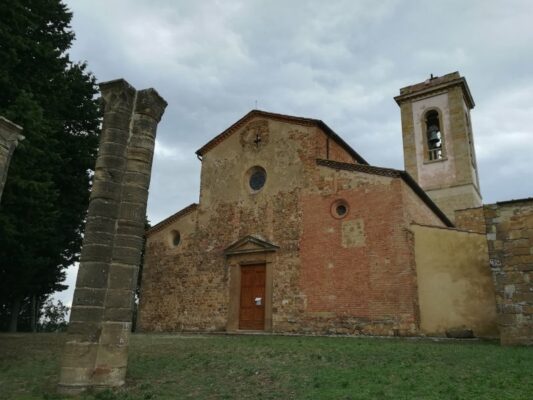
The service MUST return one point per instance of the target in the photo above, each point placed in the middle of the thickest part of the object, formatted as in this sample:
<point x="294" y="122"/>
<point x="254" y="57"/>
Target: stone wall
<point x="509" y="231"/>
<point x="471" y="219"/>
<point x="510" y="241"/>
<point x="9" y="138"/>
<point x="354" y="274"/>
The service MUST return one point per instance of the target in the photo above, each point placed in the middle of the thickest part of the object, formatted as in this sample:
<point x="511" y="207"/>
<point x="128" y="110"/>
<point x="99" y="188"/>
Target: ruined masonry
<point x="96" y="350"/>
<point x="9" y="138"/>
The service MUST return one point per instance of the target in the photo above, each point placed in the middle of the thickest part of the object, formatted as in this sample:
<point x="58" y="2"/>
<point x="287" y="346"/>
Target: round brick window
<point x="339" y="209"/>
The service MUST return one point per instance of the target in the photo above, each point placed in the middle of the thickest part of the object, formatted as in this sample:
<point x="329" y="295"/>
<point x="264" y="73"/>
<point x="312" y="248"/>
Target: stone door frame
<point x="249" y="251"/>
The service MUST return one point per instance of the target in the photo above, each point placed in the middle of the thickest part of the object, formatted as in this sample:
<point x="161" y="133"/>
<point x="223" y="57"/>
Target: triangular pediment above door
<point x="250" y="244"/>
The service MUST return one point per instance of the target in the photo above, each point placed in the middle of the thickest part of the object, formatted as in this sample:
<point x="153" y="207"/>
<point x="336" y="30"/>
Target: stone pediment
<point x="250" y="244"/>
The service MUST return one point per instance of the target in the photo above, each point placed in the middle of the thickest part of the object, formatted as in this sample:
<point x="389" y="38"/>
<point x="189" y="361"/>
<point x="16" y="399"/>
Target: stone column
<point x="9" y="138"/>
<point x="95" y="353"/>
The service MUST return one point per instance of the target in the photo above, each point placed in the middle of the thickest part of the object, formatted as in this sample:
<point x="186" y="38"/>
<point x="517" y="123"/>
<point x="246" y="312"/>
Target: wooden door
<point x="252" y="306"/>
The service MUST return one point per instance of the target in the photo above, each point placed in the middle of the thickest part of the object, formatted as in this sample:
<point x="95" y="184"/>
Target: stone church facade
<point x="295" y="232"/>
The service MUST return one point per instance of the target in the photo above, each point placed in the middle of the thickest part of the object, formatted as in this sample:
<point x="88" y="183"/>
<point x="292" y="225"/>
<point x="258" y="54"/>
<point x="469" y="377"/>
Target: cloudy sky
<point x="338" y="61"/>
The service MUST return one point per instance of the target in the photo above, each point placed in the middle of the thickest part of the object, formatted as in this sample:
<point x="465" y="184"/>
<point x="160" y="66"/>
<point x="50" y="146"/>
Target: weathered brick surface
<point x="329" y="275"/>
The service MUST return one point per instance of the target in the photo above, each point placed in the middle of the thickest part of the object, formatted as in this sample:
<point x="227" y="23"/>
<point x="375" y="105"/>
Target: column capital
<point x="150" y="103"/>
<point x="9" y="131"/>
<point x="117" y="94"/>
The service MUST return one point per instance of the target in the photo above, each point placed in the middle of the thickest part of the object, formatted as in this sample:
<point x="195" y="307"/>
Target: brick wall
<point x="329" y="275"/>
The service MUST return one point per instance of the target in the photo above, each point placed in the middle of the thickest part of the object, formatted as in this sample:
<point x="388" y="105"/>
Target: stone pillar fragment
<point x="95" y="353"/>
<point x="9" y="138"/>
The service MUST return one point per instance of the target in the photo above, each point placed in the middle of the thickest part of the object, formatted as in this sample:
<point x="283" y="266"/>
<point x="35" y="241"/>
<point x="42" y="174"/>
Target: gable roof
<point x="260" y="245"/>
<point x="167" y="221"/>
<point x="283" y="118"/>
<point x="393" y="173"/>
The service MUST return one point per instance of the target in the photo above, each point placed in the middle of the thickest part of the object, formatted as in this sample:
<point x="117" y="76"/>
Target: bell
<point x="433" y="134"/>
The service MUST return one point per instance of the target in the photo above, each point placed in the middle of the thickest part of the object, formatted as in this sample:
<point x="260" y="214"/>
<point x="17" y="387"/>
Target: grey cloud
<point x="338" y="61"/>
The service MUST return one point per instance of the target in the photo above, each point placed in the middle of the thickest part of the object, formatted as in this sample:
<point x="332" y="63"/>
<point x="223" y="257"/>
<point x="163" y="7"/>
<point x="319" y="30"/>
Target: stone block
<point x="113" y="149"/>
<point x="84" y="296"/>
<point x="104" y="376"/>
<point x="78" y="354"/>
<point x="132" y="211"/>
<point x="100" y="224"/>
<point x="109" y="174"/>
<point x="89" y="314"/>
<point x="122" y="277"/>
<point x="151" y="104"/>
<point x="74" y="380"/>
<point x="119" y="298"/>
<point x="92" y="275"/>
<point x="84" y="331"/>
<point x="111" y="162"/>
<point x="137" y="165"/>
<point x="127" y="255"/>
<point x="142" y="155"/>
<point x="131" y="241"/>
<point x="137" y="178"/>
<point x="130" y="227"/>
<point x="140" y="141"/>
<point x="118" y="314"/>
<point x="96" y="252"/>
<point x="115" y="333"/>
<point x="113" y="135"/>
<point x="134" y="194"/>
<point x="116" y="121"/>
<point x="97" y="237"/>
<point x="106" y="190"/>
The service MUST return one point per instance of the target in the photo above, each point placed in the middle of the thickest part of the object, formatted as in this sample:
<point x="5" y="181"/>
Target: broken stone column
<point x="96" y="349"/>
<point x="9" y="139"/>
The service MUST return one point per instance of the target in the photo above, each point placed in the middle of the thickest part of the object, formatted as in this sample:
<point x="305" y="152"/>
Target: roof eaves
<point x="392" y="173"/>
<point x="299" y="120"/>
<point x="169" y="220"/>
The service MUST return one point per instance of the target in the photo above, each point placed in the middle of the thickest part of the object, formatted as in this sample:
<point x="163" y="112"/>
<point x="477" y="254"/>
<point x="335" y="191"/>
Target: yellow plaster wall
<point x="455" y="287"/>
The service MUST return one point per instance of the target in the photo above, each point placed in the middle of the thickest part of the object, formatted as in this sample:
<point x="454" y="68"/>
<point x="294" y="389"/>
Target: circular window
<point x="175" y="238"/>
<point x="257" y="178"/>
<point x="339" y="209"/>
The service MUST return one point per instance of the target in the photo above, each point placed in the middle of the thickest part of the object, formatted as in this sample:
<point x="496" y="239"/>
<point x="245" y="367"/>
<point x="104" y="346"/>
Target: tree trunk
<point x="33" y="313"/>
<point x="15" y="310"/>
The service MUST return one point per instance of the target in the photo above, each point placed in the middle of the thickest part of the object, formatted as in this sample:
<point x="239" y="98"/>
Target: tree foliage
<point x="53" y="316"/>
<point x="47" y="190"/>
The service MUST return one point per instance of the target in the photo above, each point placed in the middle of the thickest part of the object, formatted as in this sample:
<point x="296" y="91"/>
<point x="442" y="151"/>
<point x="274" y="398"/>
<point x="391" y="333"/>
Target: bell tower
<point x="437" y="141"/>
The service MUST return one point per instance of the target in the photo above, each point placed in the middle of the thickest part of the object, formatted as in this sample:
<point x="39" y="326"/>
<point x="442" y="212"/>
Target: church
<point x="295" y="232"/>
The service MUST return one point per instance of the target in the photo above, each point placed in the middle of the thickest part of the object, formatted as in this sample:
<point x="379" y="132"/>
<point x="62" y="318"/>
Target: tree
<point x="53" y="316"/>
<point x="47" y="190"/>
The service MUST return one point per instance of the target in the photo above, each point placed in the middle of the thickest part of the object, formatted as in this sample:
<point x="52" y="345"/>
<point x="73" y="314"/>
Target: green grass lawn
<point x="280" y="367"/>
